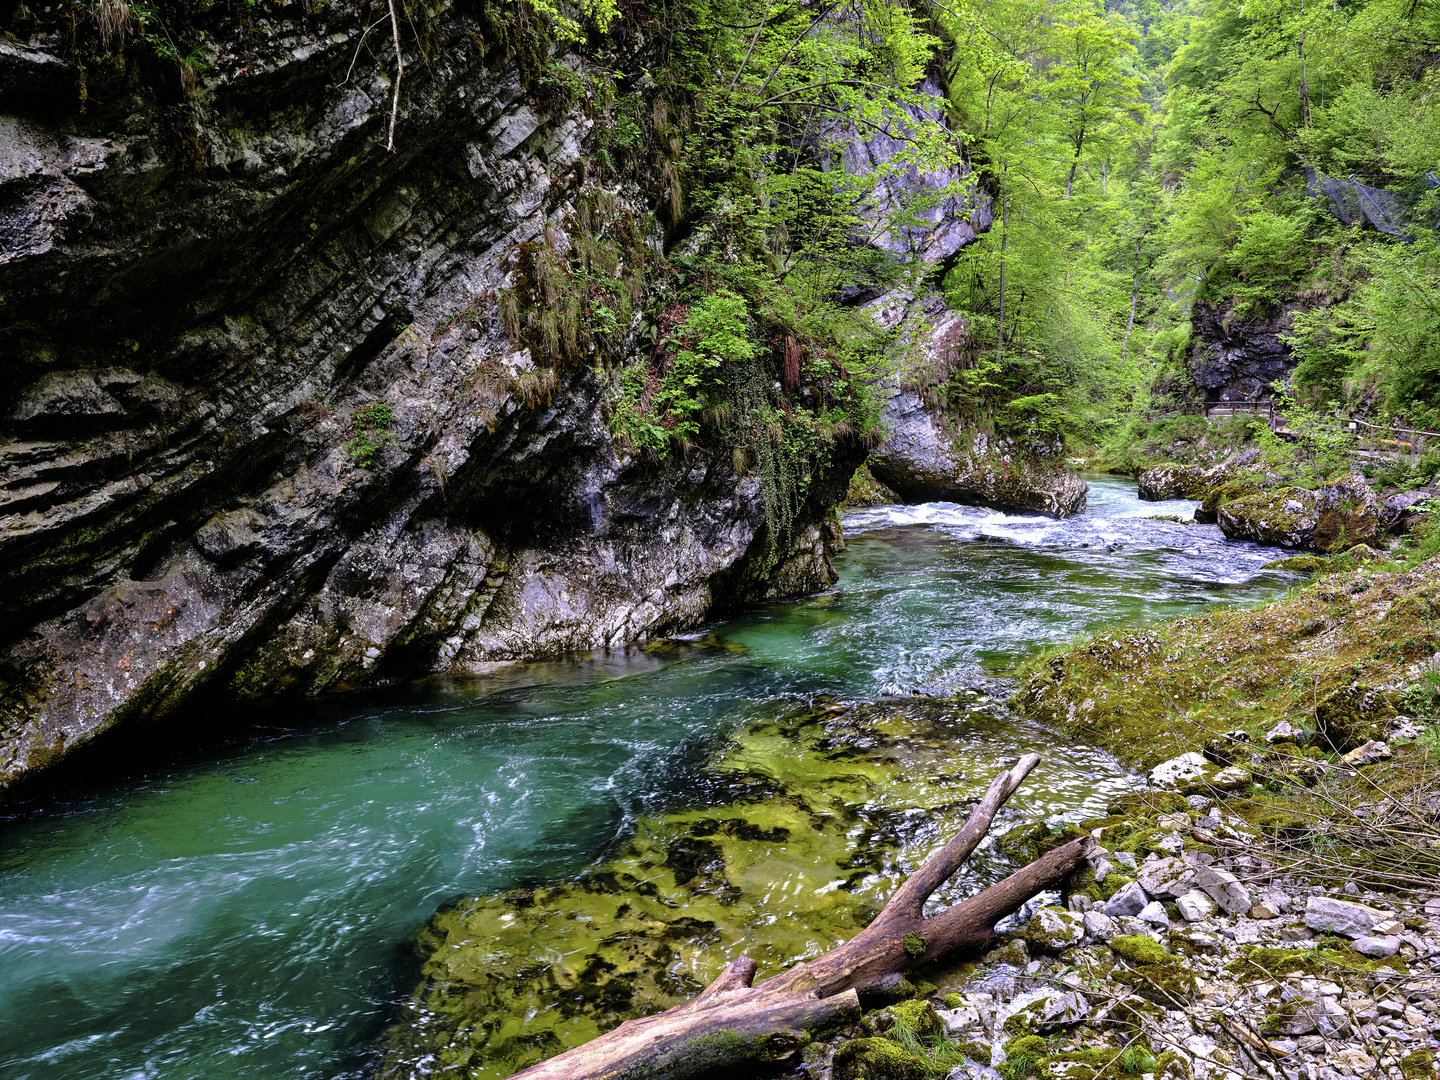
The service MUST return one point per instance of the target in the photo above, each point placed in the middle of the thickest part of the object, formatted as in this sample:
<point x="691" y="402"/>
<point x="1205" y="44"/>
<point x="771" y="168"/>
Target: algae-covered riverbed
<point x="249" y="909"/>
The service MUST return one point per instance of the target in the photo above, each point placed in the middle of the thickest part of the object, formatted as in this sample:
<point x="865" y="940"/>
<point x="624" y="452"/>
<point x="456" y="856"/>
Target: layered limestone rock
<point x="924" y="459"/>
<point x="927" y="456"/>
<point x="261" y="428"/>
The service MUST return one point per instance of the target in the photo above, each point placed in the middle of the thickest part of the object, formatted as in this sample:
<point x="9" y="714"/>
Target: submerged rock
<point x="793" y="841"/>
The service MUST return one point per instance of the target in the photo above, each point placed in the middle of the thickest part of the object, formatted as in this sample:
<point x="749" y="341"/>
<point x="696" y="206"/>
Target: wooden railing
<point x="1212" y="409"/>
<point x="1382" y="438"/>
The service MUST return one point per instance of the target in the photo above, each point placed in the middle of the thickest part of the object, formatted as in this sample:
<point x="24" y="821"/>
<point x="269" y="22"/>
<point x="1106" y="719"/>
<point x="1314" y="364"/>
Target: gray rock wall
<point x="196" y="317"/>
<point x="1236" y="359"/>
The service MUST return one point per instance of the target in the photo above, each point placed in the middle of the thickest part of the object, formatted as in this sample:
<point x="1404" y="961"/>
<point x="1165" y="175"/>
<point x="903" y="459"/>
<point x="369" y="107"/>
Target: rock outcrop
<point x="1333" y="518"/>
<point x="1178" y="480"/>
<point x="922" y="461"/>
<point x="1237" y="359"/>
<point x="262" y="428"/>
<point x="927" y="455"/>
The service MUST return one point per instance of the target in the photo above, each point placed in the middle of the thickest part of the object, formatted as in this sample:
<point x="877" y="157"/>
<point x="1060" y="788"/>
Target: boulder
<point x="1399" y="512"/>
<point x="1187" y="766"/>
<point x="1283" y="517"/>
<point x="1333" y="518"/>
<point x="1129" y="900"/>
<point x="1154" y="914"/>
<point x="1348" y="513"/>
<point x="1166" y="879"/>
<point x="1345" y="917"/>
<point x="961" y="1022"/>
<point x="1367" y="754"/>
<point x="922" y="461"/>
<point x="1379" y="946"/>
<point x="1195" y="906"/>
<point x="1099" y="925"/>
<point x="1171" y="480"/>
<point x="1047" y="1010"/>
<point x="1236" y="487"/>
<point x="1051" y="930"/>
<point x="1225" y="889"/>
<point x="1353" y="715"/>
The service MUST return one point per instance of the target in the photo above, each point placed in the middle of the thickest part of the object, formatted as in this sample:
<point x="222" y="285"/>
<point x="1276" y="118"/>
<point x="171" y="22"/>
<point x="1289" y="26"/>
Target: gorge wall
<point x="220" y="301"/>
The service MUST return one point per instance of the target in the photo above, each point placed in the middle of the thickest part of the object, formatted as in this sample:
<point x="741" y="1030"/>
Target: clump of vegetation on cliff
<point x="719" y="321"/>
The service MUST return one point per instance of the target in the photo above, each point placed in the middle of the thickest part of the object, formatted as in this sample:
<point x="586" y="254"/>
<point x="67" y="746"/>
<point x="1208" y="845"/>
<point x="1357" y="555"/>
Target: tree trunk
<point x="1134" y="296"/>
<point x="732" y="1022"/>
<point x="1004" y="238"/>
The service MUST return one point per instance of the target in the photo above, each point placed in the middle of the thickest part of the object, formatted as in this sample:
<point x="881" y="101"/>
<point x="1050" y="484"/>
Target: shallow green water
<point x="247" y="910"/>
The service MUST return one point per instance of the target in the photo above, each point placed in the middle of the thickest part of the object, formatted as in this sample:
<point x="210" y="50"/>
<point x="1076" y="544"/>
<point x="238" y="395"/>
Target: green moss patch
<point x="1154" y="973"/>
<point x="1345" y="641"/>
<point x="1265" y="963"/>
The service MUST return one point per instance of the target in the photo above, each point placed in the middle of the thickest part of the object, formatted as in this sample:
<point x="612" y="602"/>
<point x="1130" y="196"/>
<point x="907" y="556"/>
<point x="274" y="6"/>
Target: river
<point x="247" y="908"/>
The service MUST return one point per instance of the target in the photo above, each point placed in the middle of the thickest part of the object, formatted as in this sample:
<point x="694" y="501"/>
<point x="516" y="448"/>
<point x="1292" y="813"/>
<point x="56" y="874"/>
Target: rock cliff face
<point x="217" y="310"/>
<point x="1235" y="359"/>
<point x="926" y="455"/>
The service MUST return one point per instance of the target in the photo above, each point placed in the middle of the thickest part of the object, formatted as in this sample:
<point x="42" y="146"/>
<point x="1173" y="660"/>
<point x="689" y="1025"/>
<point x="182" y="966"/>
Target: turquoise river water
<point x="246" y="908"/>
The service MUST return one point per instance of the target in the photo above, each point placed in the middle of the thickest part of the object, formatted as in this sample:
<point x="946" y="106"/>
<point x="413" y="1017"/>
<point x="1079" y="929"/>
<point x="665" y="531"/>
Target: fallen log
<point x="732" y="1022"/>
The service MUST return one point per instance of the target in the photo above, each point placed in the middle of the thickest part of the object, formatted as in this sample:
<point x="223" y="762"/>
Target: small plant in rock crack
<point x="369" y="431"/>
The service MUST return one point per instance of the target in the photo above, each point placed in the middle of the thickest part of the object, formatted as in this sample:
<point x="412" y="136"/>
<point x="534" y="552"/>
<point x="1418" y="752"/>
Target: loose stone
<point x="1345" y="917"/>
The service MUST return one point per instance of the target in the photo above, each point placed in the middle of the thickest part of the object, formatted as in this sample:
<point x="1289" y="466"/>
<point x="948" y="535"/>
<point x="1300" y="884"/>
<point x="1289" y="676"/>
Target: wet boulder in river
<point x="923" y="462"/>
<point x="1334" y="517"/>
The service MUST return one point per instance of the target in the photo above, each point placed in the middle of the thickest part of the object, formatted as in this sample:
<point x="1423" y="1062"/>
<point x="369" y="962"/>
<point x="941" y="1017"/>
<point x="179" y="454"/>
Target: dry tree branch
<point x="399" y="71"/>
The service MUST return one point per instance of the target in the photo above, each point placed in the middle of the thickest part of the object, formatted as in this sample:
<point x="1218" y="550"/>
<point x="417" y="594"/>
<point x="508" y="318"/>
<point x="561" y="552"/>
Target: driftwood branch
<point x="732" y="1022"/>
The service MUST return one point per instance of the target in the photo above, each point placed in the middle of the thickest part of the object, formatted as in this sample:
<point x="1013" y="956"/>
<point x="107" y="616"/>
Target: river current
<point x="247" y="908"/>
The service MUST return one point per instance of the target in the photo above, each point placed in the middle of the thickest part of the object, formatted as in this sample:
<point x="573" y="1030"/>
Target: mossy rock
<point x="1339" y="959"/>
<point x="1157" y="974"/>
<point x="1164" y="984"/>
<point x="1259" y="962"/>
<point x="1139" y="949"/>
<point x="1134" y="1012"/>
<point x="1172" y="1066"/>
<point x="1147" y="804"/>
<point x="1053" y="930"/>
<point x="916" y="1016"/>
<point x="1284" y="517"/>
<point x="1023" y="1057"/>
<point x="892" y="990"/>
<point x="880" y="1059"/>
<point x="1237" y="487"/>
<point x="1097" y="1061"/>
<point x="1083" y="883"/>
<point x="1013" y="952"/>
<point x="1026" y="843"/>
<point x="1419" y="1065"/>
<point x="1353" y="715"/>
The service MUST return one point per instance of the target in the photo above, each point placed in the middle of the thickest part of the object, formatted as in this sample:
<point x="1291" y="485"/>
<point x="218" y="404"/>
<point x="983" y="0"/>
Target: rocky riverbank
<point x="1183" y="953"/>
